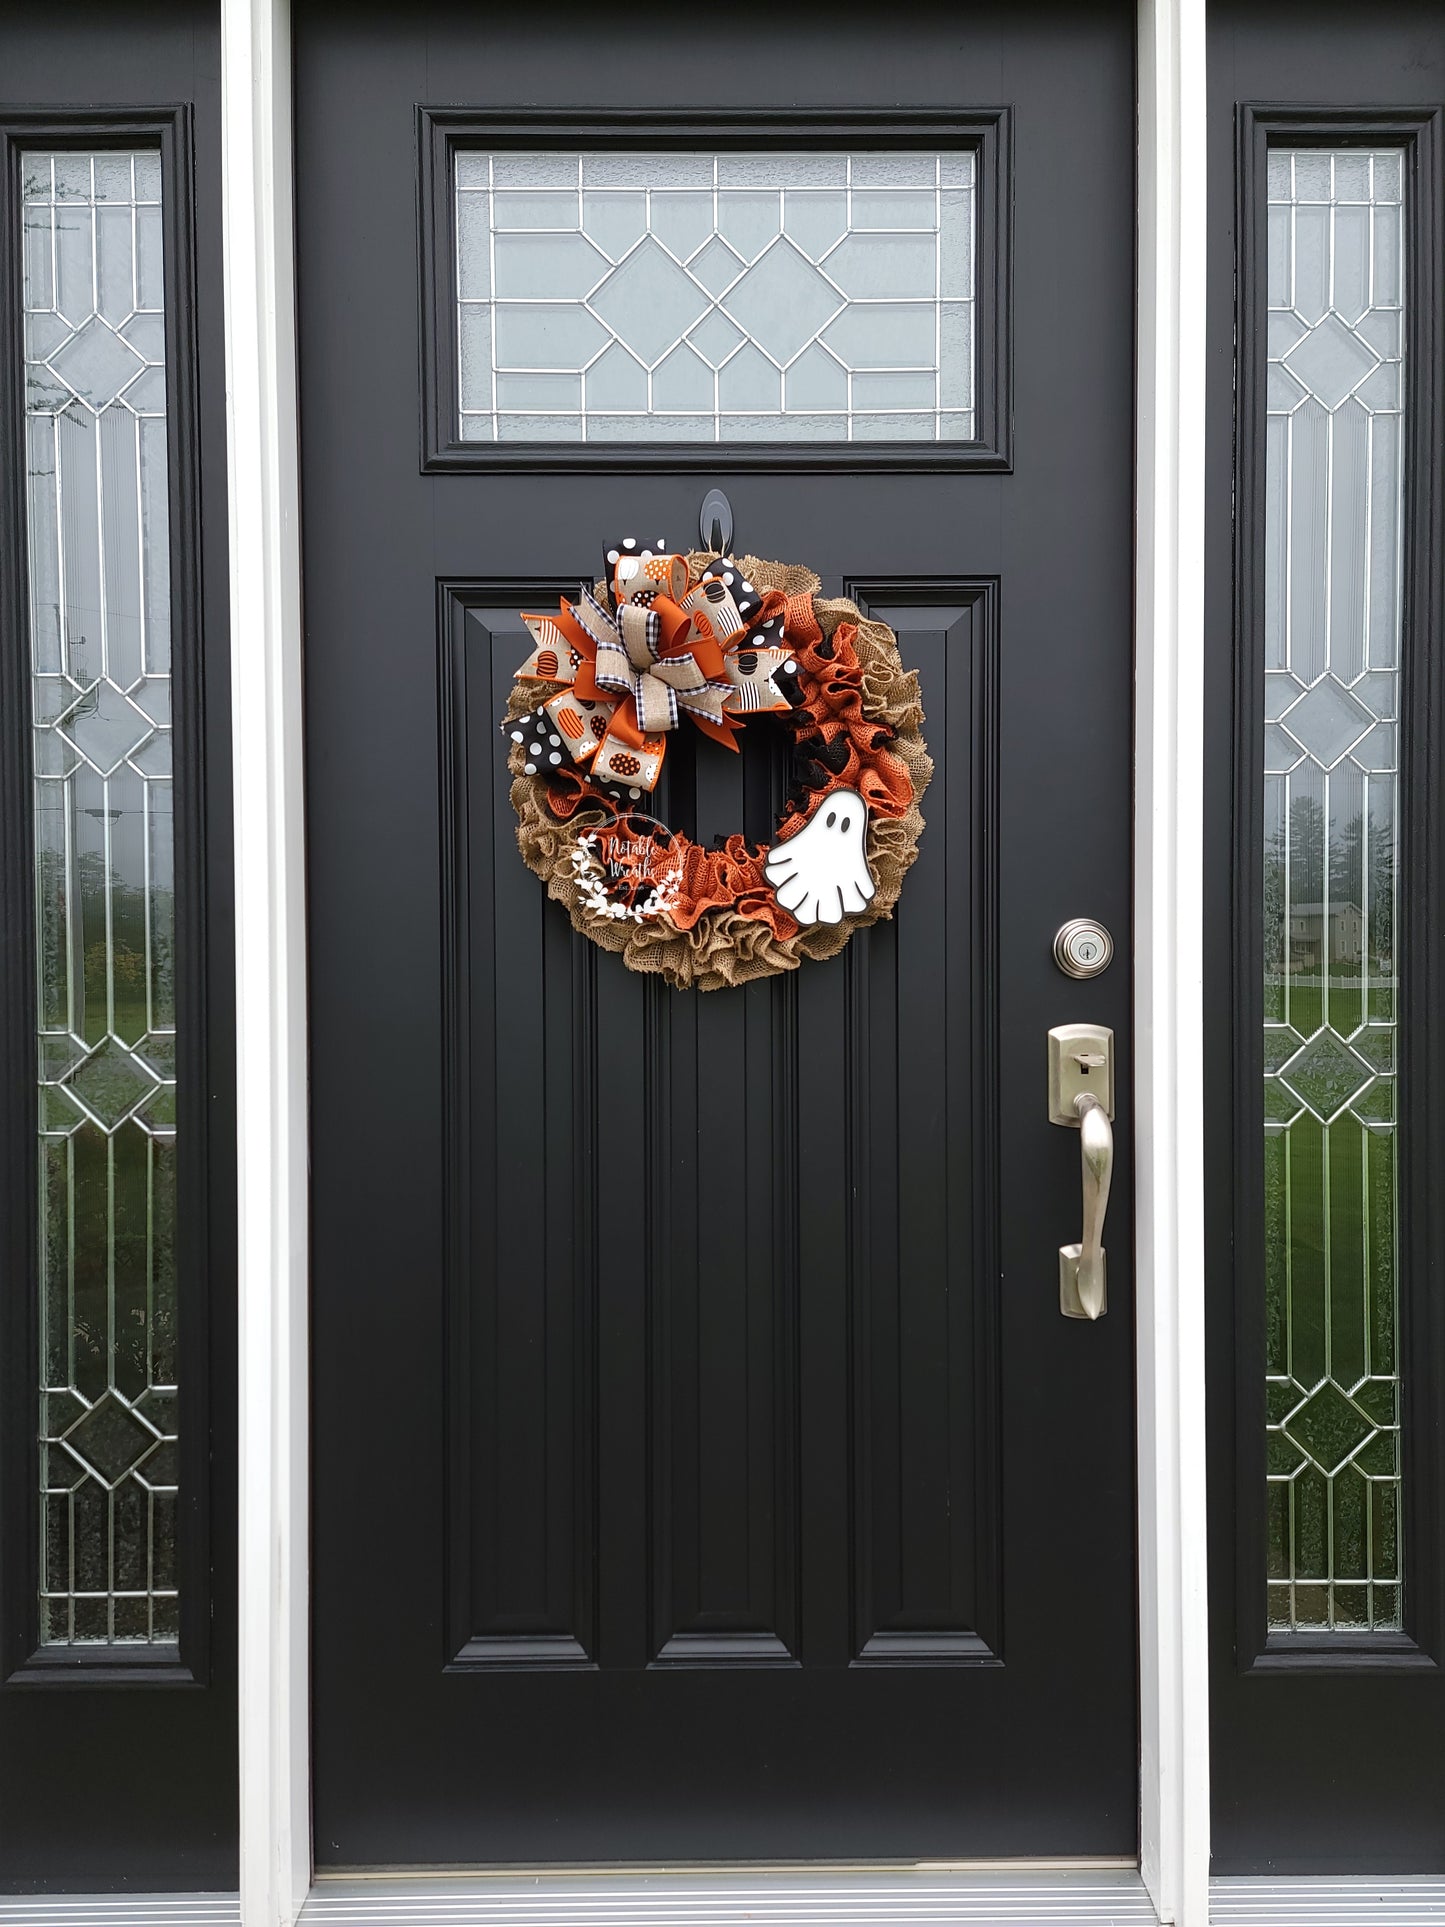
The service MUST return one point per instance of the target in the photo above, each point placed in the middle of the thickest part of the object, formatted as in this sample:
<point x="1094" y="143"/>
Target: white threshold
<point x="1097" y="1896"/>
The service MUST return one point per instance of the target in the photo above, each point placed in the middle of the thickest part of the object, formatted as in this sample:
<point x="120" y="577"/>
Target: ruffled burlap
<point x="724" y="948"/>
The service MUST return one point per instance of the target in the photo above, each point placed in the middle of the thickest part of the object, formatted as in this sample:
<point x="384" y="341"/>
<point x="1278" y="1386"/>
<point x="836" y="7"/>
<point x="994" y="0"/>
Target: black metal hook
<point x="715" y="523"/>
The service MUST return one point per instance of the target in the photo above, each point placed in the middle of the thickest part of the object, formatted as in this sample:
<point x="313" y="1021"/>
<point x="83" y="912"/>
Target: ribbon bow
<point x="667" y="646"/>
<point x="651" y="652"/>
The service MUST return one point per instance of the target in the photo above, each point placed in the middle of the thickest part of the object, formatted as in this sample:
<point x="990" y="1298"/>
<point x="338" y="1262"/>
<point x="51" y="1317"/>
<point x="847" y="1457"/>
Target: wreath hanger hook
<point x="715" y="523"/>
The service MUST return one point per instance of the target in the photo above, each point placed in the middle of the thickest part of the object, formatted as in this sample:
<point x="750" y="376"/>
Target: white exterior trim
<point x="271" y="1104"/>
<point x="258" y="238"/>
<point x="1168" y="927"/>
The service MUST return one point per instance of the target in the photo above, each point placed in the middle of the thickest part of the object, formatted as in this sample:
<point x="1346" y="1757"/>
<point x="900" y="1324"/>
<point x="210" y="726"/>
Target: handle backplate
<point x="1081" y="1095"/>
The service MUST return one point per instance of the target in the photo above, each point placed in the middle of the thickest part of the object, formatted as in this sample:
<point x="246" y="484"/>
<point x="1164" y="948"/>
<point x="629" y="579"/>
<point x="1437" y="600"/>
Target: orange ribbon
<point x="627" y="676"/>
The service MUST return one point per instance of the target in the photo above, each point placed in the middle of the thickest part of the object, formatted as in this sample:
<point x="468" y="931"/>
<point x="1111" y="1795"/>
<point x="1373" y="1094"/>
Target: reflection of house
<point x="1307" y="930"/>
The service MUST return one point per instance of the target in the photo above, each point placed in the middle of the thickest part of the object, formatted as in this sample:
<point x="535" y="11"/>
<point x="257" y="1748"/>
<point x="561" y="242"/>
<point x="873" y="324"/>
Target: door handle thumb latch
<point x="1081" y="1096"/>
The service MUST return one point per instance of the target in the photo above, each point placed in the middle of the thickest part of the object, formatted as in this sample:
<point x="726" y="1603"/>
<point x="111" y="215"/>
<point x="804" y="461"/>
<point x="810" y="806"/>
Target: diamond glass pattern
<point x="1326" y="1074"/>
<point x="96" y="363"/>
<point x="1331" y="361"/>
<point x="1326" y="721"/>
<point x="1329" y="1427"/>
<point x="1333" y="522"/>
<point x="110" y="1084"/>
<point x="783" y="301"/>
<point x="105" y="727"/>
<point x="766" y="264"/>
<point x="110" y="1438"/>
<point x="100" y="654"/>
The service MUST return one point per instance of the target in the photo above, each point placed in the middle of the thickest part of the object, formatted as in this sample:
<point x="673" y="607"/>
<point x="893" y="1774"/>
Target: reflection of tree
<point x="72" y="896"/>
<point x="1361" y="866"/>
<point x="1362" y="870"/>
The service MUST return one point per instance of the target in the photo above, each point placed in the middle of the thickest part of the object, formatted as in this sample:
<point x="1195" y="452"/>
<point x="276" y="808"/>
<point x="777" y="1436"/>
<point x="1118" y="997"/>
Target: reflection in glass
<point x="1333" y="520"/>
<point x="100" y="648"/>
<point x="718" y="298"/>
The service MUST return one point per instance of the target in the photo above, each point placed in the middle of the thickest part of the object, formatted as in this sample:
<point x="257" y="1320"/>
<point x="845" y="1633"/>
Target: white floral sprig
<point x="592" y="885"/>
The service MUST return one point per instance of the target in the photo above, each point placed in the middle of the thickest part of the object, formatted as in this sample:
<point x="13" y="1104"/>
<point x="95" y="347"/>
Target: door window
<point x="635" y="296"/>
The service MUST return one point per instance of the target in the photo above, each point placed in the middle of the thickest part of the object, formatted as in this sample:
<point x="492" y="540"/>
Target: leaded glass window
<point x="1333" y="531"/>
<point x="670" y="297"/>
<point x="100" y="655"/>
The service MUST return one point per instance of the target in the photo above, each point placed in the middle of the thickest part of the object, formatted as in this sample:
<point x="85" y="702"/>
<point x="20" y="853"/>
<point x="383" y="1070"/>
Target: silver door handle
<point x="1083" y="1278"/>
<point x="1081" y="1095"/>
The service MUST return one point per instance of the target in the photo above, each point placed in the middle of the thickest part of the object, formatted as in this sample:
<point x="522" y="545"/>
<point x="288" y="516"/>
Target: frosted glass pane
<point x="715" y="338"/>
<point x="539" y="391"/>
<point x="531" y="265"/>
<point x="682" y="222"/>
<point x="885" y="335"/>
<point x="898" y="209"/>
<point x="683" y="381"/>
<point x="882" y="392"/>
<point x="474" y="247"/>
<point x="97" y="515"/>
<point x="616" y="380"/>
<point x="1333" y="493"/>
<point x="614" y="222"/>
<point x="885" y="264"/>
<point x="529" y="211"/>
<point x="691" y="297"/>
<point x="749" y="383"/>
<point x="894" y="170"/>
<point x="816" y="380"/>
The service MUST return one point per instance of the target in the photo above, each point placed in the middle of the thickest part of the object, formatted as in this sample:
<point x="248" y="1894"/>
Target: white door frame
<point x="271" y="1053"/>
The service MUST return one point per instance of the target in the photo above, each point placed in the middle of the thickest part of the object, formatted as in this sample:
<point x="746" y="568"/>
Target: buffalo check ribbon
<point x="667" y="647"/>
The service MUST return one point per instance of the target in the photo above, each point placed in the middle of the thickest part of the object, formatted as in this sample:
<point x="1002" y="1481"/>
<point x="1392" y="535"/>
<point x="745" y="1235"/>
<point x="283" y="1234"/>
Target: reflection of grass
<point x="1304" y="1001"/>
<point x="113" y="958"/>
<point x="128" y="988"/>
<point x="1330" y="1312"/>
<point x="131" y="1023"/>
<point x="1330" y="1237"/>
<point x="1329" y="1196"/>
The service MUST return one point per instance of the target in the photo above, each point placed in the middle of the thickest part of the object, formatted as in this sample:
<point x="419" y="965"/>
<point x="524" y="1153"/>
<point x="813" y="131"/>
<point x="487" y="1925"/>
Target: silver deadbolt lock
<point x="1082" y="948"/>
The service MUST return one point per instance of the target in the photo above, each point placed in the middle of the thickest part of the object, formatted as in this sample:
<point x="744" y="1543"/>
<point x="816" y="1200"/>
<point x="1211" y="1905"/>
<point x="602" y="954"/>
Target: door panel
<point x="704" y="1469"/>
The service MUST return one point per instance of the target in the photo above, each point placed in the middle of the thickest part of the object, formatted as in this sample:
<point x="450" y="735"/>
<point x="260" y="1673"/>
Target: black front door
<point x="703" y="1468"/>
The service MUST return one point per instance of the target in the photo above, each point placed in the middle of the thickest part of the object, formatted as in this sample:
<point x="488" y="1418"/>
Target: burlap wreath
<point x="737" y="932"/>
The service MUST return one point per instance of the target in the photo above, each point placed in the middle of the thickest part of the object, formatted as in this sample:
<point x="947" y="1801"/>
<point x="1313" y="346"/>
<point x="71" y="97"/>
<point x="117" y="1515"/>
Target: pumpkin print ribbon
<point x="666" y="647"/>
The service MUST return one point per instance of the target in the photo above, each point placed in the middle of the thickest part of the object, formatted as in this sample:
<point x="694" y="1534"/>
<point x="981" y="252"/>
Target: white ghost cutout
<point x="821" y="874"/>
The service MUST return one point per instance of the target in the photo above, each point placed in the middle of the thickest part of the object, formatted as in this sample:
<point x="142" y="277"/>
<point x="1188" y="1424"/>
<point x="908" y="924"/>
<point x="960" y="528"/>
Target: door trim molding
<point x="258" y="254"/>
<point x="986" y="132"/>
<point x="1168" y="980"/>
<point x="263" y="474"/>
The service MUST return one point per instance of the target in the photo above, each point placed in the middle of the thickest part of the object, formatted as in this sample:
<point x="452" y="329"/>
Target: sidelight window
<point x="1334" y="513"/>
<point x="98" y="543"/>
